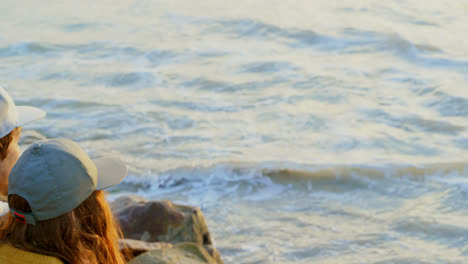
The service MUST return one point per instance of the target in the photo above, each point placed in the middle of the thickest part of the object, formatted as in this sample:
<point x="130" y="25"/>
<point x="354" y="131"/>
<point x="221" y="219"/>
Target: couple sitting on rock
<point x="54" y="209"/>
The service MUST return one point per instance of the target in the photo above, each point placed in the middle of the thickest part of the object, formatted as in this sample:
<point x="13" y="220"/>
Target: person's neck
<point x="3" y="181"/>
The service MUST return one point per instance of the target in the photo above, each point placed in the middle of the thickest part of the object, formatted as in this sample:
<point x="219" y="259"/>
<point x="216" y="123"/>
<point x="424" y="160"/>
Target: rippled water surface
<point x="307" y="131"/>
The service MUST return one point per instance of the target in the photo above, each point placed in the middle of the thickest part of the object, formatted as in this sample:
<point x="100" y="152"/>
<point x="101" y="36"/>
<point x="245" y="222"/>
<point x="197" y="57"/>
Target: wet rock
<point x="134" y="248"/>
<point x="163" y="221"/>
<point x="160" y="221"/>
<point x="214" y="253"/>
<point x="186" y="253"/>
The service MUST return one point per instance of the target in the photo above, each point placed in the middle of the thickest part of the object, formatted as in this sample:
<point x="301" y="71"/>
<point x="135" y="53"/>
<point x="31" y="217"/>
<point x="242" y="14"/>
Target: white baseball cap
<point x="12" y="116"/>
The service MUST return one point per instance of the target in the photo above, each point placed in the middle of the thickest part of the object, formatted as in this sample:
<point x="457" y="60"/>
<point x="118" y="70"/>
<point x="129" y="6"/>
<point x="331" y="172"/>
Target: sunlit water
<point x="307" y="131"/>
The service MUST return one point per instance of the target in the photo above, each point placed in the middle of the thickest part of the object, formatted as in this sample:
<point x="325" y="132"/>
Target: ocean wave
<point x="225" y="87"/>
<point x="84" y="26"/>
<point x="204" y="106"/>
<point x="414" y="122"/>
<point x="268" y="67"/>
<point x="351" y="42"/>
<point x="334" y="178"/>
<point x="28" y="48"/>
<point x="449" y="105"/>
<point x="249" y="28"/>
<point x="90" y="51"/>
<point x="133" y="80"/>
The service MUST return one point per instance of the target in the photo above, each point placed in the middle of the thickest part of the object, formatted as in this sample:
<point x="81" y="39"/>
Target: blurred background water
<point x="307" y="131"/>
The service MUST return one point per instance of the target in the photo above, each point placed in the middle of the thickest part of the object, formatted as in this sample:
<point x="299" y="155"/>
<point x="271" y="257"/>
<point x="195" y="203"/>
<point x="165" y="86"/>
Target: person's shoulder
<point x="13" y="255"/>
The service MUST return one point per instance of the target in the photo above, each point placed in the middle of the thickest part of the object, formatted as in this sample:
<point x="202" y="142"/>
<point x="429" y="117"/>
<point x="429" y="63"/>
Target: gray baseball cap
<point x="55" y="176"/>
<point x="12" y="116"/>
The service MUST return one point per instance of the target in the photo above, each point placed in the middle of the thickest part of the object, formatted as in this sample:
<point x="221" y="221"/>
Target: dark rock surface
<point x="164" y="221"/>
<point x="160" y="221"/>
<point x="186" y="253"/>
<point x="135" y="248"/>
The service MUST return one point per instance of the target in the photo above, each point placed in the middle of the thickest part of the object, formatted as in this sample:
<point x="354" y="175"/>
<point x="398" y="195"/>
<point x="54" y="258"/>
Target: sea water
<point x="307" y="131"/>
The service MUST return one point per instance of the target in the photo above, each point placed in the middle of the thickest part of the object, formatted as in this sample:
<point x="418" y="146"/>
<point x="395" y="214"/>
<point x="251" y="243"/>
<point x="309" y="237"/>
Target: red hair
<point x="86" y="235"/>
<point x="6" y="140"/>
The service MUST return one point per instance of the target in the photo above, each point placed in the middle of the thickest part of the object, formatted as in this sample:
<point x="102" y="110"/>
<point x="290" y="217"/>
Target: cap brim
<point x="28" y="114"/>
<point x="111" y="171"/>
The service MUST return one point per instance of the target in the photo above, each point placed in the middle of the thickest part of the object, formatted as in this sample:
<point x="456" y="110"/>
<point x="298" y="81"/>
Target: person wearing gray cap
<point x="58" y="212"/>
<point x="12" y="118"/>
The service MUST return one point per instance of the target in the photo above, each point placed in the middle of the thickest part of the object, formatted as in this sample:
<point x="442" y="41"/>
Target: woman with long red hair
<point x="58" y="212"/>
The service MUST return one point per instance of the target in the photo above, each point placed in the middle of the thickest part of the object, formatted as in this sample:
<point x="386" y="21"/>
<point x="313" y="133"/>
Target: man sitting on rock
<point x="12" y="117"/>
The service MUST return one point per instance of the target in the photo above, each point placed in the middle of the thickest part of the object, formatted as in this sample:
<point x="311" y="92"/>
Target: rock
<point x="183" y="253"/>
<point x="135" y="248"/>
<point x="163" y="221"/>
<point x="160" y="221"/>
<point x="213" y="253"/>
